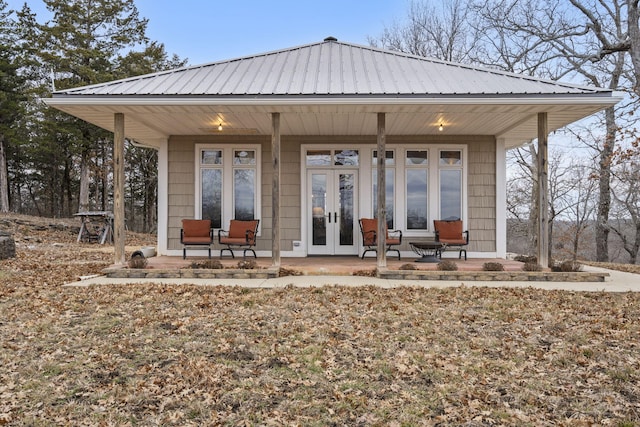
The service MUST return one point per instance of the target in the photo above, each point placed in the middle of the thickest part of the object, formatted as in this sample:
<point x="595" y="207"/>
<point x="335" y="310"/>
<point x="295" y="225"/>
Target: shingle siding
<point x="482" y="195"/>
<point x="480" y="190"/>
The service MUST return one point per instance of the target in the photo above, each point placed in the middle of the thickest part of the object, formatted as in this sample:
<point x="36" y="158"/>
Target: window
<point x="417" y="189"/>
<point x="345" y="157"/>
<point x="450" y="167"/>
<point x="228" y="184"/>
<point x="390" y="174"/>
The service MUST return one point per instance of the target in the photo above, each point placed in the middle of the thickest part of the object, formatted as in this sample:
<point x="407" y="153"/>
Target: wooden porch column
<point x="543" y="190"/>
<point x="275" y="191"/>
<point x="118" y="189"/>
<point x="381" y="208"/>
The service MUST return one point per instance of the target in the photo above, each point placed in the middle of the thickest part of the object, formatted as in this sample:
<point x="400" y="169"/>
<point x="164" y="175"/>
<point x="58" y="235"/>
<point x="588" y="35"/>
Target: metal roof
<point x="331" y="68"/>
<point x="332" y="88"/>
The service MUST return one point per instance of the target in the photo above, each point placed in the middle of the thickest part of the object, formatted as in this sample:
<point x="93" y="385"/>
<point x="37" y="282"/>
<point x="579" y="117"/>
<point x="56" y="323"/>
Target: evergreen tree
<point x="12" y="86"/>
<point x="86" y="42"/>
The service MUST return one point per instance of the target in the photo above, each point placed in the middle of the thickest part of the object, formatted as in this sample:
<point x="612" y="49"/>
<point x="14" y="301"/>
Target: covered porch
<point x="280" y="107"/>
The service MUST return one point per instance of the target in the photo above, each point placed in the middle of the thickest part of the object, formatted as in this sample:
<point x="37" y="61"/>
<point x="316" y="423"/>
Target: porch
<point x="468" y="270"/>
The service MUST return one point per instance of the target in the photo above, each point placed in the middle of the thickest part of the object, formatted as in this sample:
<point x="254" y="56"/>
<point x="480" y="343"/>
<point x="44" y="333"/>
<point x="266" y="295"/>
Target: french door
<point x="332" y="212"/>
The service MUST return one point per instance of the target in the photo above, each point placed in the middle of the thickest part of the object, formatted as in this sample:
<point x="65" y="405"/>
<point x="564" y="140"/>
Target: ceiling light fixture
<point x="441" y="127"/>
<point x="220" y="127"/>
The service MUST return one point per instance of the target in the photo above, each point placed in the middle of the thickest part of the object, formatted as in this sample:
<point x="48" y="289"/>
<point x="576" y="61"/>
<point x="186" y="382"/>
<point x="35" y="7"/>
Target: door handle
<point x="335" y="217"/>
<point x="329" y="217"/>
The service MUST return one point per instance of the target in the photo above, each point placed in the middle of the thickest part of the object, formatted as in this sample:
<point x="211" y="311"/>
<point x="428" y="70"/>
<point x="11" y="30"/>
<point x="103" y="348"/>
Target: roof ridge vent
<point x="331" y="39"/>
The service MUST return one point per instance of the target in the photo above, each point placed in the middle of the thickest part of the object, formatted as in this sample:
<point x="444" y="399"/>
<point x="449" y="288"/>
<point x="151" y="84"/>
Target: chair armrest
<point x="437" y="235"/>
<point x="221" y="231"/>
<point x="397" y="233"/>
<point x="181" y="235"/>
<point x="466" y="236"/>
<point x="250" y="236"/>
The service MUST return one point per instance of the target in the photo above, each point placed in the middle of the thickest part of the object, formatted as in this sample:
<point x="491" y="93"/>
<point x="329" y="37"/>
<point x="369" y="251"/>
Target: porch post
<point x="543" y="188"/>
<point x="381" y="208"/>
<point x="118" y="189"/>
<point x="275" y="191"/>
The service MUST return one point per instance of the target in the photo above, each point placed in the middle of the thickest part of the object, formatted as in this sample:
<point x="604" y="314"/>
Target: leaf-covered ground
<point x="186" y="355"/>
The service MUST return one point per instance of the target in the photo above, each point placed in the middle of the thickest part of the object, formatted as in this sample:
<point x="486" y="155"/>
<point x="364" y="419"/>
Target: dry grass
<point x="186" y="355"/>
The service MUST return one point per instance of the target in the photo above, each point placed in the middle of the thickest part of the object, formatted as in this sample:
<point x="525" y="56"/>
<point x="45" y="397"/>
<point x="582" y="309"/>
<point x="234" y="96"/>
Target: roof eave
<point x="597" y="98"/>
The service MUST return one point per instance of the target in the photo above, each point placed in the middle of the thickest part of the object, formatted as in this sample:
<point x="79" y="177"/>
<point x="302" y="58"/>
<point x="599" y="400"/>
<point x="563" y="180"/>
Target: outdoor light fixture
<point x="441" y="127"/>
<point x="220" y="127"/>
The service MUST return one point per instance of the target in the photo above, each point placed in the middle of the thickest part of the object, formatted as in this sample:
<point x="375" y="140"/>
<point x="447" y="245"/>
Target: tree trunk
<point x="604" y="200"/>
<point x="4" y="179"/>
<point x="634" y="38"/>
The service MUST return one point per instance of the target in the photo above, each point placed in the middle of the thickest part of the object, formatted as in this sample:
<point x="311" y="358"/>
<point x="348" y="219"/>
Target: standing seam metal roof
<point x="331" y="68"/>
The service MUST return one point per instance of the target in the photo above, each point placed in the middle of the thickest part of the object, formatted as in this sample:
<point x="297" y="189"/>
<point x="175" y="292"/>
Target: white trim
<point x="115" y="100"/>
<point x="163" y="198"/>
<point x="501" y="198"/>
<point x="365" y="185"/>
<point x="227" y="168"/>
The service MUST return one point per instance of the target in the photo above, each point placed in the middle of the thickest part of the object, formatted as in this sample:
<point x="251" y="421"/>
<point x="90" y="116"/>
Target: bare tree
<point x="581" y="211"/>
<point x="585" y="40"/>
<point x="440" y="30"/>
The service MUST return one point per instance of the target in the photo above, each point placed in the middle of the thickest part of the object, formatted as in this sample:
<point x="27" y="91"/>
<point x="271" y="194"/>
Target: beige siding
<point x="181" y="188"/>
<point x="481" y="189"/>
<point x="482" y="195"/>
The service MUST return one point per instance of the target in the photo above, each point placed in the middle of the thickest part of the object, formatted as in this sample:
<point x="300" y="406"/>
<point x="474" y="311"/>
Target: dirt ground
<point x="187" y="355"/>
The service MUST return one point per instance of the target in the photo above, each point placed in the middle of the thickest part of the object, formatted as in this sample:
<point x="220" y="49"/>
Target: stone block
<point x="7" y="245"/>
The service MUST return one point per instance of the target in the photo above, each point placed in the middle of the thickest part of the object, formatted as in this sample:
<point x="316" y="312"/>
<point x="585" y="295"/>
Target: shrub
<point x="447" y="265"/>
<point x="138" y="262"/>
<point x="570" y="267"/>
<point x="492" y="266"/>
<point x="531" y="266"/>
<point x="283" y="272"/>
<point x="247" y="264"/>
<point x="366" y="273"/>
<point x="526" y="258"/>
<point x="408" y="267"/>
<point x="210" y="264"/>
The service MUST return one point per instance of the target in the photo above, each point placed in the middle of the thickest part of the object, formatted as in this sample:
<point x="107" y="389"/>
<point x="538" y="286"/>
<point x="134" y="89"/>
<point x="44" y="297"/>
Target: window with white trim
<point x="417" y="189"/>
<point x="450" y="171"/>
<point x="228" y="183"/>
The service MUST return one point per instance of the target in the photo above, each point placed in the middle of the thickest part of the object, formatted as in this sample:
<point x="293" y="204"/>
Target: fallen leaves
<point x="187" y="355"/>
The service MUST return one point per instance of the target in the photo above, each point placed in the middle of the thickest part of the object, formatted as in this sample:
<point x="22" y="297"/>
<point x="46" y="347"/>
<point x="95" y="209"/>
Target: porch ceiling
<point x="149" y="121"/>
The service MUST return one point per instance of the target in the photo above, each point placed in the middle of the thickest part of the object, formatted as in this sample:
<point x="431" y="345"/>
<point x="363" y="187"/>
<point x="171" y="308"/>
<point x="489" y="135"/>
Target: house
<point x="308" y="139"/>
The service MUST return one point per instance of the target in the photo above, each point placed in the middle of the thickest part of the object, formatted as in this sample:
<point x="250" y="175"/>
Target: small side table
<point x="427" y="250"/>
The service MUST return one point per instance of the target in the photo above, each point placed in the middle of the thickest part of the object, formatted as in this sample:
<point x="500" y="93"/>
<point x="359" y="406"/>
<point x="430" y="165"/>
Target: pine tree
<point x="12" y="86"/>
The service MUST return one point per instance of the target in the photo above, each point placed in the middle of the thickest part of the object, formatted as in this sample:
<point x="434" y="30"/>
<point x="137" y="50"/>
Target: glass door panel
<point x="318" y="209"/>
<point x="332" y="212"/>
<point x="346" y="196"/>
